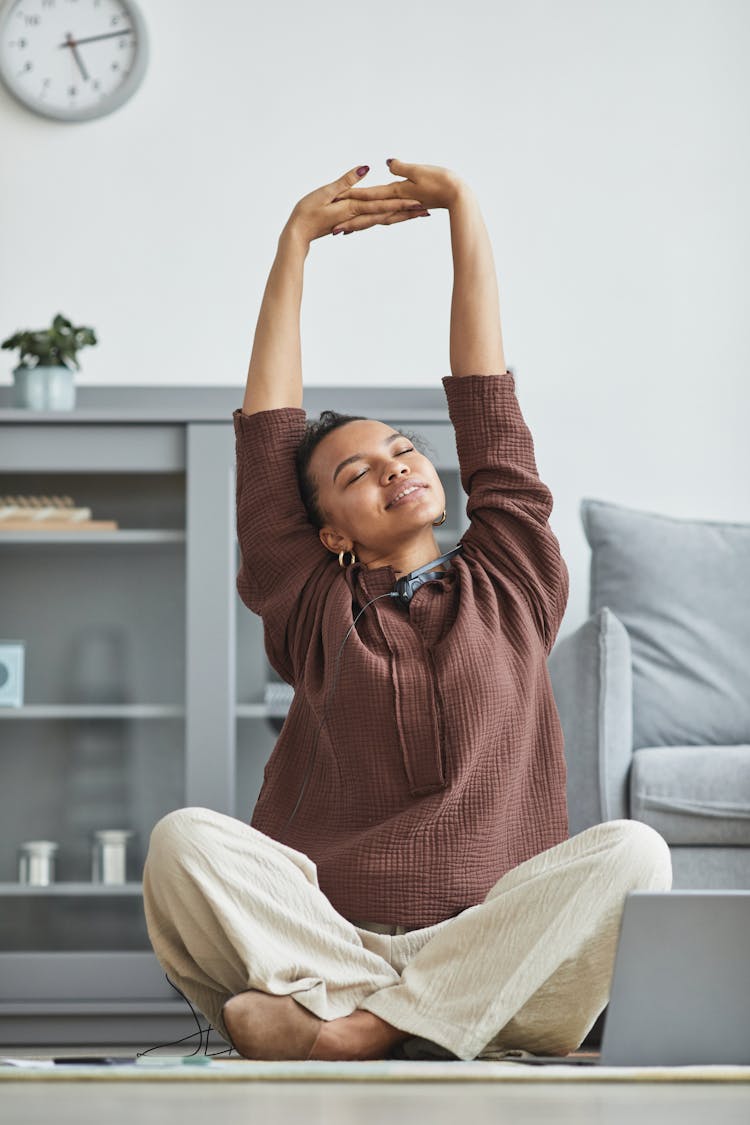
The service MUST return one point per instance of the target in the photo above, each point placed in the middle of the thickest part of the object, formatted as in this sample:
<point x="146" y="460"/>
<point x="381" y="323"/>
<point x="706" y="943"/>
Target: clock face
<point x="72" y="59"/>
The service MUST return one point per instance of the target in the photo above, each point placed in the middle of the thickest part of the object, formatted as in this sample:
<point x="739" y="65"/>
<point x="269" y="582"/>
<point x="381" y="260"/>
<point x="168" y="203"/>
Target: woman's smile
<point x="416" y="491"/>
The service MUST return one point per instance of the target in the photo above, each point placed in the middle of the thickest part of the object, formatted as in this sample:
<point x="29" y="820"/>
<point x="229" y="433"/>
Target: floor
<point x="347" y="1103"/>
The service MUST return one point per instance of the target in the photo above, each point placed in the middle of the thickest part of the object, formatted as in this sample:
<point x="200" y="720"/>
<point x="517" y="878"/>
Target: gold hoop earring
<point x="440" y="522"/>
<point x="341" y="557"/>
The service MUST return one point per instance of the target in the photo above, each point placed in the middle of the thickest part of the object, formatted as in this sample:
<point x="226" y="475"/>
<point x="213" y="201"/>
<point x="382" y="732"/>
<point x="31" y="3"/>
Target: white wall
<point x="608" y="145"/>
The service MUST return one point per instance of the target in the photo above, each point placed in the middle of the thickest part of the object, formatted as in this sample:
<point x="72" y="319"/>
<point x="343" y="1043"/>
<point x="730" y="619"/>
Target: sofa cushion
<point x="680" y="588"/>
<point x="693" y="794"/>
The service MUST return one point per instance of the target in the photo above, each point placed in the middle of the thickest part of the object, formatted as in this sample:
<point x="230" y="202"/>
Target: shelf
<point x="203" y="404"/>
<point x="126" y="711"/>
<point x="94" y="711"/>
<point x="55" y="537"/>
<point x="72" y="889"/>
<point x="258" y="711"/>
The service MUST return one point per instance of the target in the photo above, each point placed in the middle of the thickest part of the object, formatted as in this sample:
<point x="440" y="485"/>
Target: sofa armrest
<point x="592" y="681"/>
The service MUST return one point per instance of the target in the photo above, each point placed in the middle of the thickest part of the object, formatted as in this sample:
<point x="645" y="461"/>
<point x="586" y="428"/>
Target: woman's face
<point x="358" y="466"/>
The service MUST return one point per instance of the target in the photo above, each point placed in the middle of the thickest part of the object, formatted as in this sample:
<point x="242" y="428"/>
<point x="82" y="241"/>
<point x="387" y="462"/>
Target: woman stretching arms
<point x="406" y="884"/>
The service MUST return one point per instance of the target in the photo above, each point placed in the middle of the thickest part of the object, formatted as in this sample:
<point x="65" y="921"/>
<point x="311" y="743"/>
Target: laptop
<point x="680" y="992"/>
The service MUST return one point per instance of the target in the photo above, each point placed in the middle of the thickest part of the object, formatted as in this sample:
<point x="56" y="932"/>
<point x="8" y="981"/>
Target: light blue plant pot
<point x="44" y="388"/>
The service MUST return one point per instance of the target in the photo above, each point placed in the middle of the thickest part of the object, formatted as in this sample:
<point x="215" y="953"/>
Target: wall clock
<point x="72" y="59"/>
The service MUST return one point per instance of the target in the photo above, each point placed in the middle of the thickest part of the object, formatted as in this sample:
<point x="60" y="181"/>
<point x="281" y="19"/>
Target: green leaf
<point x="55" y="345"/>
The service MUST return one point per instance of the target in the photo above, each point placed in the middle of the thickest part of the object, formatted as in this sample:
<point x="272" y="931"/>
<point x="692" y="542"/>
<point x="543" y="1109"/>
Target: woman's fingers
<point x="353" y="176"/>
<point x="377" y="218"/>
<point x="372" y="211"/>
<point x="400" y="217"/>
<point x="377" y="208"/>
<point x="400" y="190"/>
<point x="361" y="206"/>
<point x="396" y="189"/>
<point x="399" y="167"/>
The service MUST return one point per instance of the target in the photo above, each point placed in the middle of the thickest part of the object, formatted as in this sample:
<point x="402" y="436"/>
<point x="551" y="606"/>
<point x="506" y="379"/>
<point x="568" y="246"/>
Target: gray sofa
<point x="653" y="690"/>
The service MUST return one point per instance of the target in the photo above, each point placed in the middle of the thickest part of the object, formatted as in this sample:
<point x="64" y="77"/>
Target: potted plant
<point x="47" y="383"/>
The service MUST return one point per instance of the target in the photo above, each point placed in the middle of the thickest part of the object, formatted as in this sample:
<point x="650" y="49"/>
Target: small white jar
<point x="36" y="862"/>
<point x="109" y="855"/>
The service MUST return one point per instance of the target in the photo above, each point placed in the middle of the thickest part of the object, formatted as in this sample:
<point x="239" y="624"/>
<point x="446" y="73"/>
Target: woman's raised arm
<point x="476" y="342"/>
<point x="274" y="377"/>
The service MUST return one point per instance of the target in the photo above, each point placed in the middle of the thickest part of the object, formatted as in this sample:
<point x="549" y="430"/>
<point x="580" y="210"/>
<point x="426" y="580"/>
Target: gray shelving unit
<point x="146" y="679"/>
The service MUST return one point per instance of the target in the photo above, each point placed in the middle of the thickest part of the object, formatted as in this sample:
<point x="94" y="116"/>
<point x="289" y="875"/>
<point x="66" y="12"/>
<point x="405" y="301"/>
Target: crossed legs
<point x="231" y="912"/>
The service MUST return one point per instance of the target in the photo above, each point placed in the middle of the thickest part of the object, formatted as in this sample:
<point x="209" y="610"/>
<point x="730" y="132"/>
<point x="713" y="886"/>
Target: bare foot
<point x="360" y="1035"/>
<point x="265" y="1026"/>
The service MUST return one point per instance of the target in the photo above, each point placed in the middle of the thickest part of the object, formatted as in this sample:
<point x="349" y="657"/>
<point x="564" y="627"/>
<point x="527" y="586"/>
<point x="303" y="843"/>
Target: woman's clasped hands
<point x="341" y="207"/>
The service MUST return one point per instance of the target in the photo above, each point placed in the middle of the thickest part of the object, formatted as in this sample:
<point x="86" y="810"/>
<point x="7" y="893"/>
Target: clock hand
<point x="70" y="42"/>
<point x="93" y="38"/>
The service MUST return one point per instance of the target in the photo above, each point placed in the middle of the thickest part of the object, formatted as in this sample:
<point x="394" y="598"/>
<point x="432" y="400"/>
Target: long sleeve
<point x="508" y="505"/>
<point x="283" y="564"/>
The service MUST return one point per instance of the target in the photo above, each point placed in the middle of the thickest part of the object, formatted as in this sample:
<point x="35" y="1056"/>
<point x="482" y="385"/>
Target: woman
<point x="407" y="883"/>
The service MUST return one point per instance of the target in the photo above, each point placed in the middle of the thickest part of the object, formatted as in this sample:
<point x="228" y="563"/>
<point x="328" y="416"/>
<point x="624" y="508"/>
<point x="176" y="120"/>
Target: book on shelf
<point x="48" y="513"/>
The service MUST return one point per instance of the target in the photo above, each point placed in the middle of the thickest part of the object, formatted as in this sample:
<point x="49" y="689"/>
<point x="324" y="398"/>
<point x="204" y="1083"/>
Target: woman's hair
<point x="314" y="433"/>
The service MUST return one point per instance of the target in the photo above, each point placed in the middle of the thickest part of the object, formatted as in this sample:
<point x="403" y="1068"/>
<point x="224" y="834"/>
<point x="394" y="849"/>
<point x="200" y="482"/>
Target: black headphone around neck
<point x="407" y="586"/>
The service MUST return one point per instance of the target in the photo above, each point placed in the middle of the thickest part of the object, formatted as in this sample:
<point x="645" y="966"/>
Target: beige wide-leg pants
<point x="229" y="908"/>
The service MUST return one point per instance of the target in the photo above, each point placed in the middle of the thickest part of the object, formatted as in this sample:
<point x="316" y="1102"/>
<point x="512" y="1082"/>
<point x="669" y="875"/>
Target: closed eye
<point x="403" y="451"/>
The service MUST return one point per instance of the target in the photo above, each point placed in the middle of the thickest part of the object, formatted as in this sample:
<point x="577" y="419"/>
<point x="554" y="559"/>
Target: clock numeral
<point x="72" y="91"/>
<point x="31" y="21"/>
